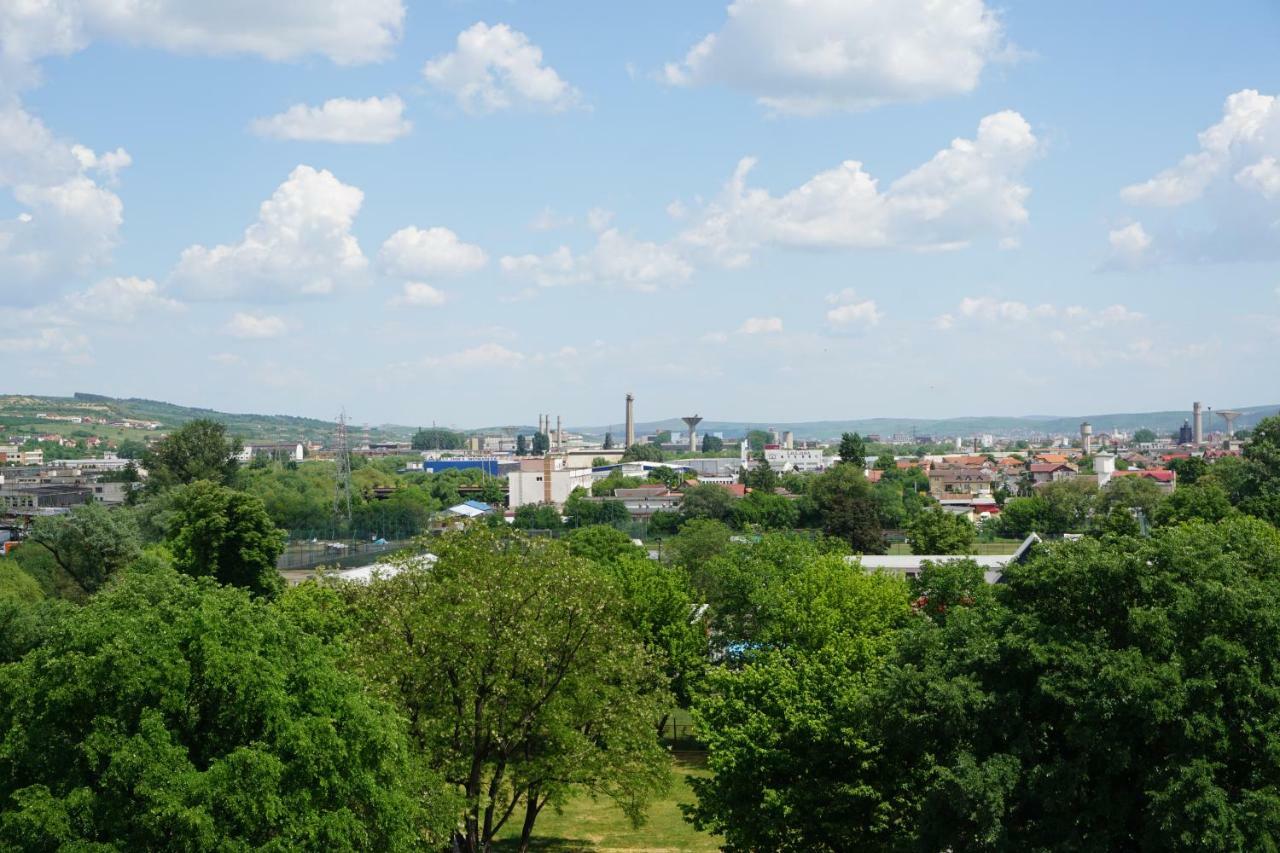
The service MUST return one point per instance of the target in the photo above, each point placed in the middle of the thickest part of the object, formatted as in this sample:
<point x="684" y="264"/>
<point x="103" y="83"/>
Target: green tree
<point x="608" y="441"/>
<point x="707" y="500"/>
<point x="541" y="444"/>
<point x="1144" y="436"/>
<point x="436" y="438"/>
<point x="198" y="450"/>
<point x="522" y="445"/>
<point x="936" y="531"/>
<point x="227" y="535"/>
<point x="853" y="449"/>
<point x="846" y="509"/>
<point x="131" y="448"/>
<point x="537" y="517"/>
<point x="698" y="541"/>
<point x="172" y="714"/>
<point x="1189" y="470"/>
<point x="664" y="522"/>
<point x="712" y="443"/>
<point x="1129" y="493"/>
<point x="90" y="544"/>
<point x="756" y="440"/>
<point x="766" y="510"/>
<point x="779" y="750"/>
<point x="533" y="687"/>
<point x="1204" y="501"/>
<point x="667" y="476"/>
<point x="642" y="452"/>
<point x="886" y="462"/>
<point x="760" y="476"/>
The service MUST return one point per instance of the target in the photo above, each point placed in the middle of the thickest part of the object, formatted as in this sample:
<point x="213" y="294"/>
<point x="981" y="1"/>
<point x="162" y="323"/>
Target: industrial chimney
<point x="789" y="440"/>
<point x="631" y="422"/>
<point x="1197" y="425"/>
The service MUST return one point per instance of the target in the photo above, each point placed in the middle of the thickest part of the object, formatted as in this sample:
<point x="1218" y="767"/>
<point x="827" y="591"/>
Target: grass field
<point x="600" y="827"/>
<point x="982" y="548"/>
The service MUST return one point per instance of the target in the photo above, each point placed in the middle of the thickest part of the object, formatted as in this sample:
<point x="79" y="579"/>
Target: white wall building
<point x="794" y="459"/>
<point x="545" y="480"/>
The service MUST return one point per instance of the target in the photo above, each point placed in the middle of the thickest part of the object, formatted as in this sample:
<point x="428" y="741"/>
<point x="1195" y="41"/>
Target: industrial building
<point x="544" y="480"/>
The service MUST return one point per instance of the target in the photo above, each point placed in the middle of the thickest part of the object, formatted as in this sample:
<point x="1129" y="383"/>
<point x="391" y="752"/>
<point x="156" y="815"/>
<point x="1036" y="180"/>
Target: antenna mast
<point x="342" y="459"/>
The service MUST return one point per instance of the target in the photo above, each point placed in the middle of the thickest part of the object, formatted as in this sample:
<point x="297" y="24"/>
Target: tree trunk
<point x="531" y="809"/>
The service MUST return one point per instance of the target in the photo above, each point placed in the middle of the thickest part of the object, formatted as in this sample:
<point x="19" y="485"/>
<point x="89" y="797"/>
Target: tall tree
<point x="936" y="531"/>
<point x="522" y="445"/>
<point x="541" y="444"/>
<point x="90" y="544"/>
<point x="712" y="443"/>
<point x="853" y="449"/>
<point x="847" y="510"/>
<point x="227" y="535"/>
<point x="436" y="438"/>
<point x="172" y="714"/>
<point x="198" y="450"/>
<point x="534" y="685"/>
<point x="608" y="441"/>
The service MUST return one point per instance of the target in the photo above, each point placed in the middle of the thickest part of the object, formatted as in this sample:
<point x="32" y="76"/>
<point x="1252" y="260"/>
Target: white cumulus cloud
<point x="255" y="326"/>
<point x="1249" y="129"/>
<point x="968" y="190"/>
<point x="416" y="294"/>
<point x="849" y="311"/>
<point x="301" y="245"/>
<point x="345" y="31"/>
<point x="372" y="120"/>
<point x="1221" y="202"/>
<point x="615" y="259"/>
<point x="1130" y="246"/>
<point x="119" y="300"/>
<point x="498" y="68"/>
<point x="812" y="56"/>
<point x="426" y="252"/>
<point x="481" y="356"/>
<point x="760" y="326"/>
<point x="69" y="219"/>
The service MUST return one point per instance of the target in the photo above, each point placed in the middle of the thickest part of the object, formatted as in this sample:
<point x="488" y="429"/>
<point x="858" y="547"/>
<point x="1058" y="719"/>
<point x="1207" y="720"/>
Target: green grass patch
<point x="998" y="548"/>
<point x="600" y="827"/>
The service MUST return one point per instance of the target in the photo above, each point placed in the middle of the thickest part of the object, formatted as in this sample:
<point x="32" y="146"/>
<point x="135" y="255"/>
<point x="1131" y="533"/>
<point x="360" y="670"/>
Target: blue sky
<point x="471" y="212"/>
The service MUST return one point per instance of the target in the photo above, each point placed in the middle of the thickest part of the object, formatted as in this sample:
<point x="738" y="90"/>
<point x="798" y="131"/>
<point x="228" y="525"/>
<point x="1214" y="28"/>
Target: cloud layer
<point x="498" y="68"/>
<point x="372" y="120"/>
<point x="812" y="56"/>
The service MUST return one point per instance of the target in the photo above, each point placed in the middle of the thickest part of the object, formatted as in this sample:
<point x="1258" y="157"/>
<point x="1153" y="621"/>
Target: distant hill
<point x="21" y="410"/>
<point x="1160" y="422"/>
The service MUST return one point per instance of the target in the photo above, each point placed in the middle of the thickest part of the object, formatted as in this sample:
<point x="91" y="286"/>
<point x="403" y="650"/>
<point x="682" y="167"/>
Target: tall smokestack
<point x="1197" y="424"/>
<point x="631" y="422"/>
<point x="559" y="433"/>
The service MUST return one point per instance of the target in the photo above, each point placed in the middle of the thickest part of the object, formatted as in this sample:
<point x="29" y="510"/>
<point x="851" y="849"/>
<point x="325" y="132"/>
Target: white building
<point x="794" y="459"/>
<point x="545" y="480"/>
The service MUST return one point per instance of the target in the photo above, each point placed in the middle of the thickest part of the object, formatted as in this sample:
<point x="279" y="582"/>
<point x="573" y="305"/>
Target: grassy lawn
<point x="598" y="825"/>
<point x="982" y="548"/>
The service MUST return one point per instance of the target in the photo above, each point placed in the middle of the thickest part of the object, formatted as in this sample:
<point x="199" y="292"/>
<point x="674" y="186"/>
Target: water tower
<point x="1086" y="437"/>
<point x="1229" y="416"/>
<point x="692" y="423"/>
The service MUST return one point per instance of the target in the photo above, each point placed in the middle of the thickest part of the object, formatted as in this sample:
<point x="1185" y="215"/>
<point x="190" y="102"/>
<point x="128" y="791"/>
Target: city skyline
<point x="457" y="212"/>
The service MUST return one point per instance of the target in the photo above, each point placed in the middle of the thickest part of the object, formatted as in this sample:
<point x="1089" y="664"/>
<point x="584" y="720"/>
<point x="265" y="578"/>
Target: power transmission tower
<point x="342" y="459"/>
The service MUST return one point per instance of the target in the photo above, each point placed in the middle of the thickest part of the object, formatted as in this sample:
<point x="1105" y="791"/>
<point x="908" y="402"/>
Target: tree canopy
<point x="533" y="683"/>
<point x="169" y="713"/>
<point x="198" y="450"/>
<point x="227" y="535"/>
